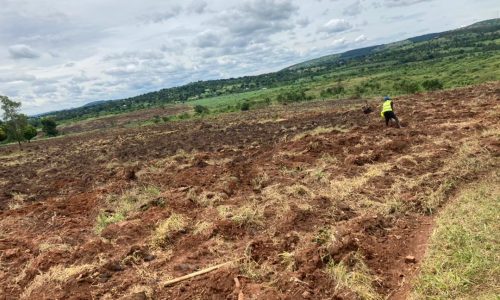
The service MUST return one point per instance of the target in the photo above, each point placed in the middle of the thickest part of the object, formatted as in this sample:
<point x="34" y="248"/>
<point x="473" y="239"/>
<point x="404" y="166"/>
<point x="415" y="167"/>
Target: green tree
<point x="29" y="132"/>
<point x="14" y="121"/>
<point x="3" y="135"/>
<point x="49" y="126"/>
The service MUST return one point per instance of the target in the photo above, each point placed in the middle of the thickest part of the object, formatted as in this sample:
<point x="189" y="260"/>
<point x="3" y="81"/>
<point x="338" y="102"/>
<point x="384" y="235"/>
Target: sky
<point x="58" y="54"/>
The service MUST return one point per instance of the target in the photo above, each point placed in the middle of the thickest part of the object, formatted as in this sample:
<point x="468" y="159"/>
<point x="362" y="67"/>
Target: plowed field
<point x="309" y="201"/>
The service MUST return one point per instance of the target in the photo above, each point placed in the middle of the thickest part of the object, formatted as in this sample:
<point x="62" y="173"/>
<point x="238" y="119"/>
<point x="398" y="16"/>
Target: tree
<point x="14" y="122"/>
<point x="3" y="135"/>
<point x="29" y="132"/>
<point x="49" y="126"/>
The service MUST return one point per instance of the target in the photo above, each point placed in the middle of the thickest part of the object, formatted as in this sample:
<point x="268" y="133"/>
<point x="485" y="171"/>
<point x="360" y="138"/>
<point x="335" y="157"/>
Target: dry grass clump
<point x="205" y="198"/>
<point x="166" y="229"/>
<point x="17" y="201"/>
<point x="356" y="278"/>
<point x="287" y="259"/>
<point x="249" y="215"/>
<point x="57" y="274"/>
<point x="122" y="205"/>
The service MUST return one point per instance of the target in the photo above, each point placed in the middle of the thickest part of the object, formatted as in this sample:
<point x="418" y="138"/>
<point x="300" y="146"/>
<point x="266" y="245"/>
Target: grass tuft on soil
<point x="166" y="229"/>
<point x="356" y="278"/>
<point x="463" y="261"/>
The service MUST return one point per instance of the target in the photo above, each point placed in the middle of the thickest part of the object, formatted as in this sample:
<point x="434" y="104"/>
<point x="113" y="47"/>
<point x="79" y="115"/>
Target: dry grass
<point x="165" y="230"/>
<point x="356" y="279"/>
<point x="17" y="201"/>
<point x="287" y="259"/>
<point x="124" y="204"/>
<point x="314" y="132"/>
<point x="249" y="215"/>
<point x="58" y="274"/>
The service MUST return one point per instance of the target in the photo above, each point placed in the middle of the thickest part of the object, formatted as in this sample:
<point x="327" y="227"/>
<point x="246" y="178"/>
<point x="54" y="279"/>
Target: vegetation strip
<point x="463" y="260"/>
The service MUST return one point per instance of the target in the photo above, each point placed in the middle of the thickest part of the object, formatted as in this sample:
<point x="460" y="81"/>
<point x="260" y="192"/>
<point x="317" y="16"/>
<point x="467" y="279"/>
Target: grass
<point x="357" y="278"/>
<point x="249" y="215"/>
<point x="164" y="232"/>
<point x="463" y="260"/>
<point x="124" y="204"/>
<point x="57" y="274"/>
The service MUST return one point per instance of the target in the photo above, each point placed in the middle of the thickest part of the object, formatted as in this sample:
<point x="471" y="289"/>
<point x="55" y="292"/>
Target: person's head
<point x="387" y="98"/>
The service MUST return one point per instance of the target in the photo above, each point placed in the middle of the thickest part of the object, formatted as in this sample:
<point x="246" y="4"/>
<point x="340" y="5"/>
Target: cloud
<point x="360" y="38"/>
<point x="253" y="23"/>
<point x="197" y="6"/>
<point x="336" y="25"/>
<point x="354" y="9"/>
<point x="163" y="16"/>
<point x="397" y="3"/>
<point x="303" y="22"/>
<point x="207" y="39"/>
<point x="21" y="51"/>
<point x="339" y="43"/>
<point x="11" y="77"/>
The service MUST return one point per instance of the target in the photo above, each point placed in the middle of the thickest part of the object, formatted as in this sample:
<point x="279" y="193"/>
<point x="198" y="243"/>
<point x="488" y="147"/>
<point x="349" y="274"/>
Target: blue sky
<point x="59" y="54"/>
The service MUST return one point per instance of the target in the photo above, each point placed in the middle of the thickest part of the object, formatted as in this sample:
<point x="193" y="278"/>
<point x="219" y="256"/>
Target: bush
<point x="332" y="91"/>
<point x="29" y="132"/>
<point x="432" y="84"/>
<point x="408" y="87"/>
<point x="49" y="126"/>
<point x="200" y="109"/>
<point x="245" y="106"/>
<point x="292" y="96"/>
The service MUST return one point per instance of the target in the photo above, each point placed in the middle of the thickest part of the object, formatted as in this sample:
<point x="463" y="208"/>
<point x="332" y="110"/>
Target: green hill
<point x="458" y="57"/>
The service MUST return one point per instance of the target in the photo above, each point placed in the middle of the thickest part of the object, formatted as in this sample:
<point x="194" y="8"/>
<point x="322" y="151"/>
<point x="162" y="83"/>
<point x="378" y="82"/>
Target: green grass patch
<point x="463" y="261"/>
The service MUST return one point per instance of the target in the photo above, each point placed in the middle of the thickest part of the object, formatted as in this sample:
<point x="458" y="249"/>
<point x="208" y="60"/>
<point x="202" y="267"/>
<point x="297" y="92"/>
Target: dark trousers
<point x="388" y="115"/>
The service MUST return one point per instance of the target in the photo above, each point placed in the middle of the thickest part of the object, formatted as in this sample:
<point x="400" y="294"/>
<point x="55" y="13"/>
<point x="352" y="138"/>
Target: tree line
<point x="18" y="127"/>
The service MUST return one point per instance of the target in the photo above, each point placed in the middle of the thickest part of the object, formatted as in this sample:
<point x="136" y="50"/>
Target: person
<point x="388" y="111"/>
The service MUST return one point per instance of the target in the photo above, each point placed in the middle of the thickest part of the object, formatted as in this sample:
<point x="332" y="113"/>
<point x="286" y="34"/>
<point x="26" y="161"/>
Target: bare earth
<point x="289" y="190"/>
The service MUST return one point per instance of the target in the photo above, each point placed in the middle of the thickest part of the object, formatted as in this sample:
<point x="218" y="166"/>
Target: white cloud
<point x="360" y="38"/>
<point x="23" y="51"/>
<point x="336" y="25"/>
<point x="339" y="43"/>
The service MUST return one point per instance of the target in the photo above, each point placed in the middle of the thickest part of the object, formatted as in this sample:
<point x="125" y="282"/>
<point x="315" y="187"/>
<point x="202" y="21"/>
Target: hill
<point x="438" y="52"/>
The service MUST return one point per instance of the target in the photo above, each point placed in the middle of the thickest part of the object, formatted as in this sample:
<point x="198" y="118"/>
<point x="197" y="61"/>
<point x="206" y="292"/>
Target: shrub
<point x="49" y="126"/>
<point x="292" y="96"/>
<point x="200" y="109"/>
<point x="333" y="91"/>
<point x="406" y="86"/>
<point x="245" y="106"/>
<point x="29" y="132"/>
<point x="432" y="85"/>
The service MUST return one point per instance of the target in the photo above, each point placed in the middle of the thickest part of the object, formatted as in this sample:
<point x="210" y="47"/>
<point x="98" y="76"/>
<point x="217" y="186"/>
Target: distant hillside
<point x="459" y="36"/>
<point x="477" y="39"/>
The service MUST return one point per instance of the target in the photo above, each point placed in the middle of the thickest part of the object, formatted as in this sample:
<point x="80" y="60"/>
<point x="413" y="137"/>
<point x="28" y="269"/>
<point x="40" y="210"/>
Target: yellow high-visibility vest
<point x="387" y="106"/>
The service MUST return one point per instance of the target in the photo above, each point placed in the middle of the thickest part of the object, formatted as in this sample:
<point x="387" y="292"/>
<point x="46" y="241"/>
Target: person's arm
<point x="392" y="106"/>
